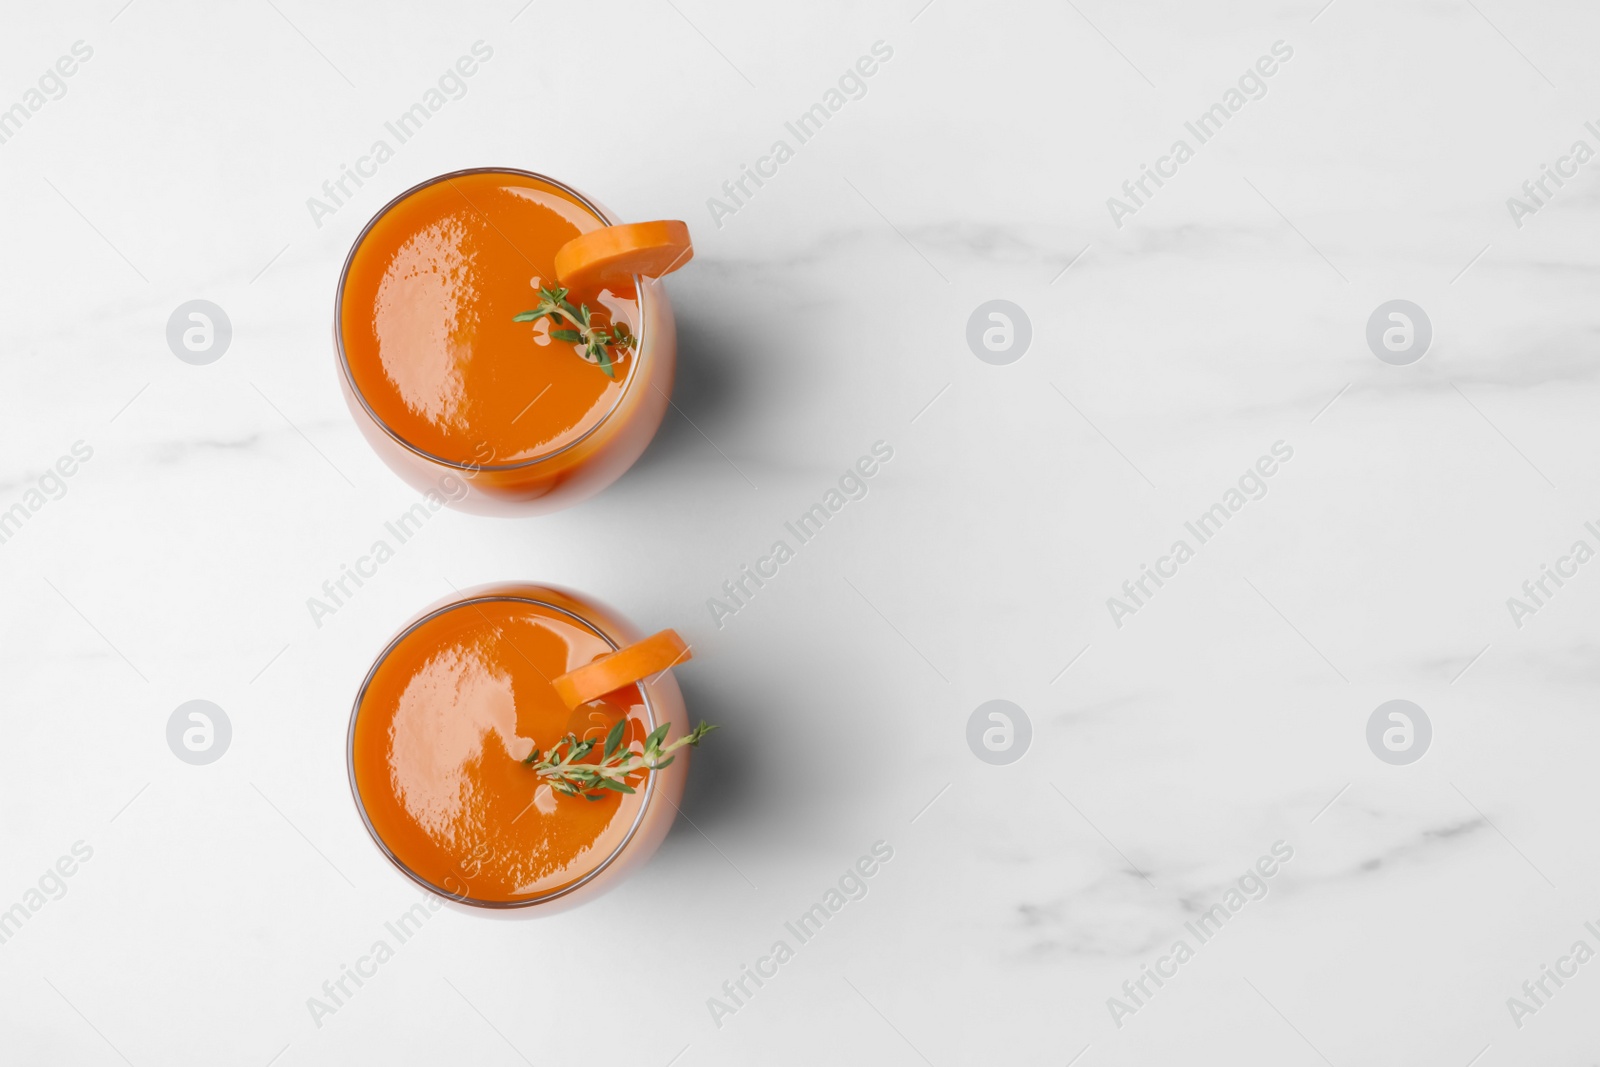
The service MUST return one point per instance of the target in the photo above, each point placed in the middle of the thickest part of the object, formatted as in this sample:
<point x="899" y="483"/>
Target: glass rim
<point x="361" y="808"/>
<point x="344" y="360"/>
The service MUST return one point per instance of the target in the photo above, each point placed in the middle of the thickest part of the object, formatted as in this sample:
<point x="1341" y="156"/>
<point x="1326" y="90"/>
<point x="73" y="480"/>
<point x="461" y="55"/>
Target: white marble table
<point x="1176" y="339"/>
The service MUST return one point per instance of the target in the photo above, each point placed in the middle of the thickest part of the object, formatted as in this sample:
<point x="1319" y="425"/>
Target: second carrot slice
<point x="610" y="256"/>
<point x="622" y="668"/>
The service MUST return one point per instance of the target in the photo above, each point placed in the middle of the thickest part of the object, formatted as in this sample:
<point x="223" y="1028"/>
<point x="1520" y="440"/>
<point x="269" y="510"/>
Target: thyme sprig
<point x="597" y="341"/>
<point x="563" y="768"/>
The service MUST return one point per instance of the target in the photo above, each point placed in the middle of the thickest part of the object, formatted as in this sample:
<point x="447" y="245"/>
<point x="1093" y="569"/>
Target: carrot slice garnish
<point x="609" y="257"/>
<point x="622" y="668"/>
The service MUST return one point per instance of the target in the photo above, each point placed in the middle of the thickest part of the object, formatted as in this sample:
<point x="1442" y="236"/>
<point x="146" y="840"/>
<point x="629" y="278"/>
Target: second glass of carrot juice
<point x="520" y="745"/>
<point x="479" y="336"/>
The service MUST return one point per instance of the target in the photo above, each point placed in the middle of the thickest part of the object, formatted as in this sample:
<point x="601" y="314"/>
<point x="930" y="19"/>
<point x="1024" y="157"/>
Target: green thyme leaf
<point x="598" y="341"/>
<point x="569" y="777"/>
<point x="614" y="738"/>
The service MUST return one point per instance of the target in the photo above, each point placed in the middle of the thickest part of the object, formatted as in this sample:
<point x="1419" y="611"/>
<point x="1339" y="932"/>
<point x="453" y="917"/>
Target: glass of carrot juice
<point x="457" y="356"/>
<point x="466" y="747"/>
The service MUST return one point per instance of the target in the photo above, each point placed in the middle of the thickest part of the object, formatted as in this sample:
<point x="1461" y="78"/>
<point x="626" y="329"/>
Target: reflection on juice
<point x="441" y="727"/>
<point x="441" y="378"/>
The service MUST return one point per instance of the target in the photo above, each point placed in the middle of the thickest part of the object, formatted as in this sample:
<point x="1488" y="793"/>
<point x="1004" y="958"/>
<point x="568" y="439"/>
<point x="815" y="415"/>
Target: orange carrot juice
<point x="443" y="378"/>
<point x="441" y="729"/>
